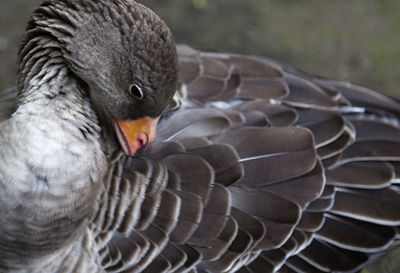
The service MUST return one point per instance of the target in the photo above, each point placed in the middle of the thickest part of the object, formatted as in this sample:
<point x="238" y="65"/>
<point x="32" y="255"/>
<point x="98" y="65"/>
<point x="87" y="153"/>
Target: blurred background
<point x="356" y="41"/>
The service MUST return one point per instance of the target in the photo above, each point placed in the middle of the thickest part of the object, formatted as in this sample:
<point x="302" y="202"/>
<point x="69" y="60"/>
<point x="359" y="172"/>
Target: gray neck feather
<point x="51" y="163"/>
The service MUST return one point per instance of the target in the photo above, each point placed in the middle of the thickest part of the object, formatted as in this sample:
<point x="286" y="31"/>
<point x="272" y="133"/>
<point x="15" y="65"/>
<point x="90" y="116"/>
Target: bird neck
<point x="51" y="166"/>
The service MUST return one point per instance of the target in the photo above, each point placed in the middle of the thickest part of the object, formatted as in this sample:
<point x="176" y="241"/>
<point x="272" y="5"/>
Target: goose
<point x="256" y="166"/>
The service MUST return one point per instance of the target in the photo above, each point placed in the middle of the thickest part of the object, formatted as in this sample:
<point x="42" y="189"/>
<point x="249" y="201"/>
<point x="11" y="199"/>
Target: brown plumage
<point x="257" y="166"/>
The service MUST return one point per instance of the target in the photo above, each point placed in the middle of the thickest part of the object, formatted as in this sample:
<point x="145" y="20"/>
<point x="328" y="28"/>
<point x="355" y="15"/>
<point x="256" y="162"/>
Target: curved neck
<point x="51" y="166"/>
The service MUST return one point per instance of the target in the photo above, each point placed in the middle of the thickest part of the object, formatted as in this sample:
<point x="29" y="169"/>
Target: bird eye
<point x="136" y="91"/>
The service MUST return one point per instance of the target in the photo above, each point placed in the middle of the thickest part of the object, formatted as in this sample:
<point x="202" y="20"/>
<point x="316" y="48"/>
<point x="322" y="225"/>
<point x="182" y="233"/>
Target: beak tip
<point x="135" y="134"/>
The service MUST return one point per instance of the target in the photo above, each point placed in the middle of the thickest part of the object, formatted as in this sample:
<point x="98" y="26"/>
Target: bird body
<point x="257" y="166"/>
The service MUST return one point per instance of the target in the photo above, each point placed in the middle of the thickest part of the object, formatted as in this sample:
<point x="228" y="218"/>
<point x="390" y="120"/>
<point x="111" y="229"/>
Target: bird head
<point x="123" y="54"/>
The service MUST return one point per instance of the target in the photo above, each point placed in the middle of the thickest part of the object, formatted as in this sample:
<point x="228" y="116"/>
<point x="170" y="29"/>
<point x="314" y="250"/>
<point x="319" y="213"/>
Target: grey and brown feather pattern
<point x="257" y="167"/>
<point x="297" y="189"/>
<point x="259" y="183"/>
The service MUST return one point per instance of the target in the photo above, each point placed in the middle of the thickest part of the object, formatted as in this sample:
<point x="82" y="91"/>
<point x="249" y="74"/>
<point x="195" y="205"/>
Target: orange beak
<point x="134" y="134"/>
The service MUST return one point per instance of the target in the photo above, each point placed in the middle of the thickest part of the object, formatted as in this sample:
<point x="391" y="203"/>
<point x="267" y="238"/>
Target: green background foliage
<point x="357" y="41"/>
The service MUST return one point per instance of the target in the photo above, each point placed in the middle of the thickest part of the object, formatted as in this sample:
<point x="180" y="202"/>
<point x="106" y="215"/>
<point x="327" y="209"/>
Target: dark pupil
<point x="136" y="92"/>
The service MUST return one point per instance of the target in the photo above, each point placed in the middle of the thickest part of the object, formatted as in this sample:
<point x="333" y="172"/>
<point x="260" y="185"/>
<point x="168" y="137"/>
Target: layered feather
<point x="266" y="168"/>
<point x="258" y="167"/>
